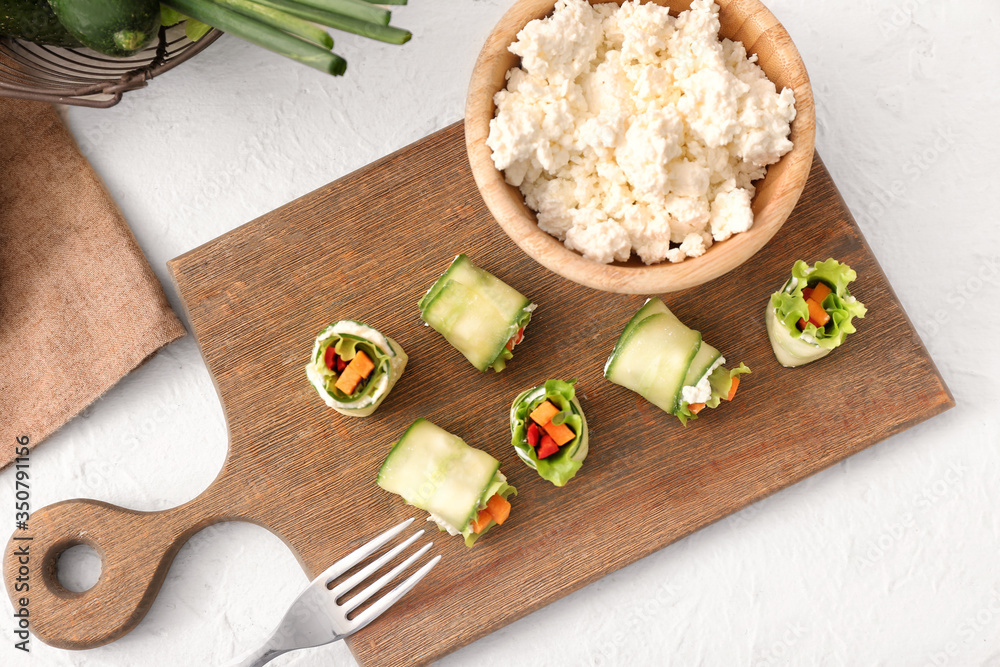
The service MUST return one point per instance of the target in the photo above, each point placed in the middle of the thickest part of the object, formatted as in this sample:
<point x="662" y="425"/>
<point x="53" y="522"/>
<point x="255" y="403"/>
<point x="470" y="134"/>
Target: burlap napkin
<point x="79" y="305"/>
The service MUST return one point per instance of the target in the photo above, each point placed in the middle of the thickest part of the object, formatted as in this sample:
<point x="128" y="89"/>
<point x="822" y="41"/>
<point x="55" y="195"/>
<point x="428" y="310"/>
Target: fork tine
<point x="358" y="599"/>
<point x="369" y="569"/>
<point x="370" y="614"/>
<point x="362" y="552"/>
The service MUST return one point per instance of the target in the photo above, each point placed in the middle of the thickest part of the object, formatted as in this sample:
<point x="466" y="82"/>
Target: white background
<point x="890" y="558"/>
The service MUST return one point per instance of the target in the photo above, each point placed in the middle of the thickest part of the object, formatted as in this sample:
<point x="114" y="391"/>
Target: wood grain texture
<point x="367" y="247"/>
<point x="748" y="21"/>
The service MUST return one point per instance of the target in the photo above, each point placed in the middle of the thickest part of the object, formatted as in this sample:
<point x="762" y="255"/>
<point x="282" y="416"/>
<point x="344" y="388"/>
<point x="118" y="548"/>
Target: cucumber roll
<point x="354" y="367"/>
<point x="479" y="314"/>
<point x="669" y="365"/>
<point x="460" y="486"/>
<point x="812" y="313"/>
<point x="549" y="431"/>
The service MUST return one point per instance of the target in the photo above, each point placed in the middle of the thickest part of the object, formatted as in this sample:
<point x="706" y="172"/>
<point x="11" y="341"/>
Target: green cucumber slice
<point x="504" y="298"/>
<point x="475" y="311"/>
<point x="652" y="307"/>
<point x="701" y="363"/>
<point x="439" y="473"/>
<point x="790" y="351"/>
<point x="469" y="322"/>
<point x="654" y="360"/>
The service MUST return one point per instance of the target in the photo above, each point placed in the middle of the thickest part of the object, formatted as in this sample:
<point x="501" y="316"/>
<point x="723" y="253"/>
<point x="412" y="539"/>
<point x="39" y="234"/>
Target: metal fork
<point x="315" y="618"/>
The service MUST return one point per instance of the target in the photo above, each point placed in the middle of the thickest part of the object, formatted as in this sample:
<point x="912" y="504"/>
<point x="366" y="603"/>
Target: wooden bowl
<point x="745" y="20"/>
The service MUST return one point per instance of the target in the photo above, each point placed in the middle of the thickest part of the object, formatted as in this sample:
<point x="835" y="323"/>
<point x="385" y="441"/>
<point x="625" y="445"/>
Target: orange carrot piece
<point x="359" y="368"/>
<point x="481" y="521"/>
<point x="499" y="508"/>
<point x="819" y="292"/>
<point x="362" y="364"/>
<point x="559" y="432"/>
<point x="544" y="413"/>
<point x="732" y="388"/>
<point x="695" y="408"/>
<point x="817" y="315"/>
<point x="348" y="381"/>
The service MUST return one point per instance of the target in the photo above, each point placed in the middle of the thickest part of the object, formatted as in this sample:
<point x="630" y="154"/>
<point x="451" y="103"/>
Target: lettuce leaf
<point x="560" y="467"/>
<point x="721" y="381"/>
<point x="791" y="306"/>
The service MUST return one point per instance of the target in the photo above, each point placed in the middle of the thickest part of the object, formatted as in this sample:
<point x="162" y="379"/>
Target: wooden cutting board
<point x="367" y="247"/>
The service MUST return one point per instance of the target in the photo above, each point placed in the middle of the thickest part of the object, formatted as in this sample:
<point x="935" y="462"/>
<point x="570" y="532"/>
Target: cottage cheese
<point x="629" y="130"/>
<point x="702" y="391"/>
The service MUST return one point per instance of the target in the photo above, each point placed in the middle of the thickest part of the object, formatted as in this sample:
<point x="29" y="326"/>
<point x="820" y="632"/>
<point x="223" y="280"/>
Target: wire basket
<point x="86" y="78"/>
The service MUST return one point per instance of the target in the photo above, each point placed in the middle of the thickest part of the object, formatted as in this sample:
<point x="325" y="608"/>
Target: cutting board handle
<point x="136" y="550"/>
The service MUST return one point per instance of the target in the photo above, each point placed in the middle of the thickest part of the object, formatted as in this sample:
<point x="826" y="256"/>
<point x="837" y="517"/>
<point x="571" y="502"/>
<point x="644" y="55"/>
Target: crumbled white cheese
<point x="629" y="130"/>
<point x="731" y="214"/>
<point x="701" y="392"/>
<point x="604" y="241"/>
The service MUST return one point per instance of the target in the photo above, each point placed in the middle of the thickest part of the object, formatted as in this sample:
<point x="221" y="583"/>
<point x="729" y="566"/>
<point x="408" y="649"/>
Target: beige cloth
<point x="79" y="305"/>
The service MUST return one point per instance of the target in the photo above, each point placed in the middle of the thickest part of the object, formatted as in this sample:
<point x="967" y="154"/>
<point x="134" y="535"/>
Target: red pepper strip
<point x="515" y="339"/>
<point x="329" y="357"/>
<point x="533" y="434"/>
<point x="547" y="447"/>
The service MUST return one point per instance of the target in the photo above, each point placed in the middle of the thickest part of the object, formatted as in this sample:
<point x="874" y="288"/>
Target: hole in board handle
<point x="73" y="568"/>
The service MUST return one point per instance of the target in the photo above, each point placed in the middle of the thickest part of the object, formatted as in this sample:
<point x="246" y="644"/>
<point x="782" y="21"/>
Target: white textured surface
<point x="890" y="558"/>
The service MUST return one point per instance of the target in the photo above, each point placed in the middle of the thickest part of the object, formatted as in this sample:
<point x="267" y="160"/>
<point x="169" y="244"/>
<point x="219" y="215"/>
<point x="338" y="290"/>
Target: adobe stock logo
<point x="961" y="295"/>
<point x="637" y="620"/>
<point x="920" y="162"/>
<point x="901" y="16"/>
<point x="777" y="652"/>
<point x="969" y="629"/>
<point x="893" y="532"/>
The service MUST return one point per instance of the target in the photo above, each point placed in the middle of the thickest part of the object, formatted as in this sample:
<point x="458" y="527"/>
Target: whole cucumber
<point x="34" y="21"/>
<point x="112" y="27"/>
